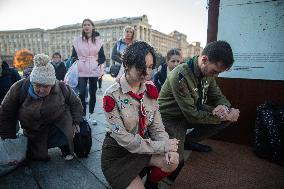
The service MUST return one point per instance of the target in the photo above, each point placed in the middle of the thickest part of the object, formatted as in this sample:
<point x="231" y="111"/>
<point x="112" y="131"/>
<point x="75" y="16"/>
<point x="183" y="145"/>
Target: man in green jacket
<point x="191" y="99"/>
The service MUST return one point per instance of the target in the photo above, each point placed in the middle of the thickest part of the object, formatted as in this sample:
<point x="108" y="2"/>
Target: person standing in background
<point x="88" y="50"/>
<point x="8" y="76"/>
<point x="173" y="58"/>
<point x="121" y="45"/>
<point x="100" y="80"/>
<point x="59" y="66"/>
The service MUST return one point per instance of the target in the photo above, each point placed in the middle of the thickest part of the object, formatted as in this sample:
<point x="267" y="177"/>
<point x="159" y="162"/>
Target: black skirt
<point x="119" y="165"/>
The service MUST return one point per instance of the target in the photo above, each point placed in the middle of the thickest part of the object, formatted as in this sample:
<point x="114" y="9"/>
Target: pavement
<point x="78" y="173"/>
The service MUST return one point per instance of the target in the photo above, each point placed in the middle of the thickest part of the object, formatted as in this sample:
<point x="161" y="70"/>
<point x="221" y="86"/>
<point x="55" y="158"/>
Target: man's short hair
<point x="56" y="54"/>
<point x="219" y="51"/>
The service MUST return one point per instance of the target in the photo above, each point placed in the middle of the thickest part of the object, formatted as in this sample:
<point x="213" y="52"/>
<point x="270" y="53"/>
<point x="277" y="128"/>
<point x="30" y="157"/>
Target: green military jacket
<point x="181" y="92"/>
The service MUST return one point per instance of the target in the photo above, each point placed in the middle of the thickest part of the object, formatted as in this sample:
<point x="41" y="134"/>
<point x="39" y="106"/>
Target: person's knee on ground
<point x="201" y="132"/>
<point x="161" y="168"/>
<point x="136" y="183"/>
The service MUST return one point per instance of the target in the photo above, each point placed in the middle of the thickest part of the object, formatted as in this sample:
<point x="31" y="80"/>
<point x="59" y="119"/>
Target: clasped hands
<point x="226" y="114"/>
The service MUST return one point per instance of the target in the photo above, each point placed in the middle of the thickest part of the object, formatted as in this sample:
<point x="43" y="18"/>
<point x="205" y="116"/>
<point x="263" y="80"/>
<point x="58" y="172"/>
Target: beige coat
<point x="35" y="115"/>
<point x="123" y="120"/>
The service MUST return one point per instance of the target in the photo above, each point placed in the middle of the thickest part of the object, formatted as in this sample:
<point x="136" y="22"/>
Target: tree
<point x="23" y="58"/>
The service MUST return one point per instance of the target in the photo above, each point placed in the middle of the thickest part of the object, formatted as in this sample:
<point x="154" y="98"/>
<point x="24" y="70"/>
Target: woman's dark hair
<point x="135" y="56"/>
<point x="172" y="52"/>
<point x="94" y="33"/>
<point x="219" y="51"/>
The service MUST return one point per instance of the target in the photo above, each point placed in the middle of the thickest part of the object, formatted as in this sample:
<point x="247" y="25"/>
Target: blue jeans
<point x="82" y="84"/>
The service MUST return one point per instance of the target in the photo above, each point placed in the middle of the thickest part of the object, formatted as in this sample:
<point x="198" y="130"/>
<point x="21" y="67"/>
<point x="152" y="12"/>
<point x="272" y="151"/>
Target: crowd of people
<point x="151" y="120"/>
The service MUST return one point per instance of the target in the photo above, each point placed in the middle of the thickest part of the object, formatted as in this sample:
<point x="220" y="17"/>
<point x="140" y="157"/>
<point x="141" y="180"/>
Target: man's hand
<point x="221" y="111"/>
<point x="171" y="145"/>
<point x="233" y="115"/>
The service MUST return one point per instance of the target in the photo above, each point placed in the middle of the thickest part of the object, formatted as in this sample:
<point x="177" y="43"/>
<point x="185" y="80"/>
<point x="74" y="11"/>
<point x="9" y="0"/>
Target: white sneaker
<point x="92" y="120"/>
<point x="68" y="157"/>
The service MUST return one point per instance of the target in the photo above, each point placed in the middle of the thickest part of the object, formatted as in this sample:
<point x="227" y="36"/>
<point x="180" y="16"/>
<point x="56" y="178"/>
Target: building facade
<point x="60" y="39"/>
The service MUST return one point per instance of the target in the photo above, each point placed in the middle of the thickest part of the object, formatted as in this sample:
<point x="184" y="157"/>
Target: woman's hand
<point x="171" y="145"/>
<point x="172" y="157"/>
<point x="76" y="129"/>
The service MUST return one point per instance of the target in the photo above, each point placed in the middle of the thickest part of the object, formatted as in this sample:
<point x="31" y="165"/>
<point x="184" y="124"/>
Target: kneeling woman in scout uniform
<point x="136" y="137"/>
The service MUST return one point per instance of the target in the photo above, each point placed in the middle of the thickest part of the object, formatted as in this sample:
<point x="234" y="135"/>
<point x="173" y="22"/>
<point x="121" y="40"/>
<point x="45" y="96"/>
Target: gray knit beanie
<point x="43" y="72"/>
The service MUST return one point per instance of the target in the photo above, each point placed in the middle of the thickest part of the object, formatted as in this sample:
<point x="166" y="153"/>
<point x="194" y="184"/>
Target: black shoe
<point x="175" y="173"/>
<point x="151" y="185"/>
<point x="145" y="171"/>
<point x="197" y="147"/>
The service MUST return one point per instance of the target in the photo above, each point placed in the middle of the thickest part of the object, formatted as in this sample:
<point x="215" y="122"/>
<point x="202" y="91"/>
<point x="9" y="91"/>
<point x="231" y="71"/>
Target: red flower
<point x="108" y="103"/>
<point x="152" y="91"/>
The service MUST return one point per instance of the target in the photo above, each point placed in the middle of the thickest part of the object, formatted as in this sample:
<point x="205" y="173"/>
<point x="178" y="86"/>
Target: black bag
<point x="114" y="69"/>
<point x="83" y="140"/>
<point x="269" y="132"/>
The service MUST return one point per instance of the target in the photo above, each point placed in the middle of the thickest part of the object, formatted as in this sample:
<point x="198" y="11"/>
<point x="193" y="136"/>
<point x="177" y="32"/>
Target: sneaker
<point x="92" y="120"/>
<point x="66" y="153"/>
<point x="68" y="157"/>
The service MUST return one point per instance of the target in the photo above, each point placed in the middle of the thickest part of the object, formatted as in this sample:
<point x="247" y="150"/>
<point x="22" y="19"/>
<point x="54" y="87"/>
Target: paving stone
<point x="96" y="145"/>
<point x="100" y="137"/>
<point x="98" y="129"/>
<point x="93" y="162"/>
<point x="59" y="173"/>
<point x="21" y="178"/>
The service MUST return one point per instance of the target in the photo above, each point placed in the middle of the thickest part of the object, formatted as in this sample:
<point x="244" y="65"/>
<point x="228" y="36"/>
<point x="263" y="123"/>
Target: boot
<point x="194" y="146"/>
<point x="151" y="185"/>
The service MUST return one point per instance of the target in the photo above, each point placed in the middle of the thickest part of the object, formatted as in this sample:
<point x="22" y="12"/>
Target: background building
<point x="60" y="39"/>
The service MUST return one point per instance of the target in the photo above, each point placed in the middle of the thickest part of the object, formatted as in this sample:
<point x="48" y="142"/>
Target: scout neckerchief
<point x="199" y="85"/>
<point x="142" y="113"/>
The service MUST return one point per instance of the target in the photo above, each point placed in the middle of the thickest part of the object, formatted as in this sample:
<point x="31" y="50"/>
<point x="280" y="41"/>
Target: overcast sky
<point x="186" y="16"/>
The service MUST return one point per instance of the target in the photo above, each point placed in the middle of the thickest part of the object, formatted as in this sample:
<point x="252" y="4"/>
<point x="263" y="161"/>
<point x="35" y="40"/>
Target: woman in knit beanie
<point x="43" y="75"/>
<point x="48" y="110"/>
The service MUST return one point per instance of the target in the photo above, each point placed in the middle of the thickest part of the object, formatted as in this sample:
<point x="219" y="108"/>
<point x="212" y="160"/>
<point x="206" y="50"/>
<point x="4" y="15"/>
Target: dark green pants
<point x="177" y="129"/>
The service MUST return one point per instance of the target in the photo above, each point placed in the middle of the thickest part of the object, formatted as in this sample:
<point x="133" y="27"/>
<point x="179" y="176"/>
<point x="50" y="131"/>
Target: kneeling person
<point x="136" y="137"/>
<point x="48" y="111"/>
<point x="190" y="98"/>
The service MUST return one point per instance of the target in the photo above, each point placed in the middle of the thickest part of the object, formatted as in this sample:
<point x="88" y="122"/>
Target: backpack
<point x="115" y="67"/>
<point x="83" y="139"/>
<point x="269" y="132"/>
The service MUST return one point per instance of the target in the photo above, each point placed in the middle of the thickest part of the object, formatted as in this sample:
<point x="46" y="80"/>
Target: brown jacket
<point x="35" y="115"/>
<point x="123" y="120"/>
